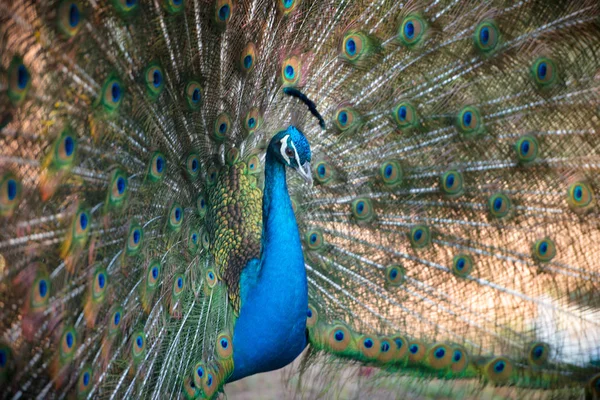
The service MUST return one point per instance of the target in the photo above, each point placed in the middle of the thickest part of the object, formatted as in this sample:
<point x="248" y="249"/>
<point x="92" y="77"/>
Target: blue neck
<point x="271" y="329"/>
<point x="278" y="215"/>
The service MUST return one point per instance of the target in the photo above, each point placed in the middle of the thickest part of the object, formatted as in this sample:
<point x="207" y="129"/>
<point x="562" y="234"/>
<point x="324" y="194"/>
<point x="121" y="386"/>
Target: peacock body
<point x="153" y="245"/>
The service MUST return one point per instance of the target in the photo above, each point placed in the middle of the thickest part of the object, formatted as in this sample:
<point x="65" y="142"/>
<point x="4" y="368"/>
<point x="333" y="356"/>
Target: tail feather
<point x="450" y="235"/>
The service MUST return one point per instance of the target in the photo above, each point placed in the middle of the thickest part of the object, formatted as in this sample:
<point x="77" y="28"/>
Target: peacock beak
<point x="305" y="173"/>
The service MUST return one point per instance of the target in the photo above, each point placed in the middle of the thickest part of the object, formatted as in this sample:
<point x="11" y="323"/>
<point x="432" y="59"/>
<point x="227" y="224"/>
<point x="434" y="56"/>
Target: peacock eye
<point x="289" y="152"/>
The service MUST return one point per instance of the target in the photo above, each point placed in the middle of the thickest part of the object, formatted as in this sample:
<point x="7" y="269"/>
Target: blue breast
<point x="271" y="329"/>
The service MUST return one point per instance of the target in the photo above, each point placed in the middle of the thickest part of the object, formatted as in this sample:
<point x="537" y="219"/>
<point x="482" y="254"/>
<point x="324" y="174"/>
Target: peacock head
<point x="291" y="148"/>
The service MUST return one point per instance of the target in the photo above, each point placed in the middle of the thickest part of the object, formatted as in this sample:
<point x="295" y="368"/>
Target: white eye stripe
<point x="295" y="153"/>
<point x="283" y="147"/>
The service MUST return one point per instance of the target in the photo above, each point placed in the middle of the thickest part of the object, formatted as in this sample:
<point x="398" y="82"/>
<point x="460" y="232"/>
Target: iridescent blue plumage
<point x="271" y="330"/>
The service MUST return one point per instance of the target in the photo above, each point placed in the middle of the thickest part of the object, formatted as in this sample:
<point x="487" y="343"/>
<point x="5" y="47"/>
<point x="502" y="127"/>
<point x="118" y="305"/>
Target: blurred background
<point x="353" y="382"/>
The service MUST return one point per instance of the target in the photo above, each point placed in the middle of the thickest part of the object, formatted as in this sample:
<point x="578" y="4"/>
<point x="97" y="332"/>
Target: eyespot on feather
<point x="69" y="17"/>
<point x="157" y="167"/>
<point x="211" y="278"/>
<point x="212" y="175"/>
<point x="290" y="71"/>
<point x="154" y="79"/>
<point x="201" y="205"/>
<point x="439" y="356"/>
<point x="323" y="172"/>
<point x="252" y="121"/>
<point x="405" y="116"/>
<point x="232" y="156"/>
<point x="173" y="6"/>
<point x="412" y="30"/>
<point x="314" y="239"/>
<point x="391" y="173"/>
<point x="486" y="37"/>
<point x="193" y="95"/>
<point x="178" y="285"/>
<point x="175" y="217"/>
<point x="527" y="149"/>
<point x="401" y="347"/>
<point x="386" y="350"/>
<point x="117" y="190"/>
<point x="64" y="150"/>
<point x="111" y="96"/>
<point x="10" y="194"/>
<point x="248" y="58"/>
<point x="68" y="344"/>
<point x="312" y="316"/>
<point x="153" y="274"/>
<point x="462" y="265"/>
<point x="192" y="164"/>
<point x="210" y="384"/>
<point x="338" y="338"/>
<point x="135" y="239"/>
<point x="253" y="164"/>
<point x="84" y="383"/>
<point x="362" y="209"/>
<point x="190" y="389"/>
<point x="125" y="7"/>
<point x="352" y="46"/>
<point x="460" y="359"/>
<point x="19" y="81"/>
<point x="356" y="48"/>
<point x="99" y="285"/>
<point x="580" y="197"/>
<point x="451" y="183"/>
<point x="115" y="319"/>
<point x="469" y="122"/>
<point x="498" y="369"/>
<point x="287" y="6"/>
<point x="223" y="12"/>
<point x="544" y="250"/>
<point x="193" y="240"/>
<point x="416" y="350"/>
<point x="138" y="346"/>
<point x="224" y="345"/>
<point x="222" y="127"/>
<point x="538" y="354"/>
<point x="204" y="237"/>
<point x="369" y="346"/>
<point x="395" y="274"/>
<point x="420" y="237"/>
<point x="199" y="374"/>
<point x="346" y="119"/>
<point x="499" y="205"/>
<point x="544" y="72"/>
<point x="80" y="226"/>
<point x="40" y="289"/>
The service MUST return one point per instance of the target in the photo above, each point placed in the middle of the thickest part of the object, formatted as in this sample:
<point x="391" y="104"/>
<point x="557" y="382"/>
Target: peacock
<point x="196" y="191"/>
